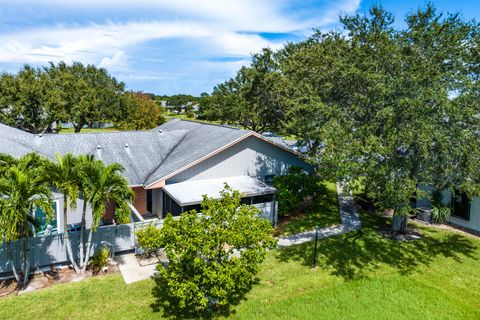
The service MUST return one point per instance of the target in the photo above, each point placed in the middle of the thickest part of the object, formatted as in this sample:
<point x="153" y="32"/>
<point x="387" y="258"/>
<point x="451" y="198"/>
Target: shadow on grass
<point x="357" y="253"/>
<point x="168" y="306"/>
<point x="322" y="212"/>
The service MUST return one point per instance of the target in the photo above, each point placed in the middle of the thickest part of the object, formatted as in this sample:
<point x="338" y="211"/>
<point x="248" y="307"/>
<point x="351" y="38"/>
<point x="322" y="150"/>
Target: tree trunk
<point x="66" y="239"/>
<point x="26" y="261"/>
<point x="399" y="223"/>
<point x="81" y="245"/>
<point x="78" y="126"/>
<point x="88" y="248"/>
<point x="12" y="262"/>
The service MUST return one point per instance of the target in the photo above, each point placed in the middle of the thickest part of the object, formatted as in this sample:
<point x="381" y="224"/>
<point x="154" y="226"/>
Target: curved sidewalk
<point x="349" y="217"/>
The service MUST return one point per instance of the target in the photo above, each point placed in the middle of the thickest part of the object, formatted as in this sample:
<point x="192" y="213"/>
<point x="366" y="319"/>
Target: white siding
<point x="252" y="157"/>
<point x="473" y="223"/>
<point x="157" y="202"/>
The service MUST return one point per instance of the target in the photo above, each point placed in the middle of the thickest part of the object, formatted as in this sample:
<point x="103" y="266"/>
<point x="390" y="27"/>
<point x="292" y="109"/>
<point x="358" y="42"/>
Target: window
<point x="268" y="179"/>
<point x="246" y="200"/>
<point x="196" y="207"/>
<point x="170" y="206"/>
<point x="42" y="219"/>
<point x="262" y="199"/>
<point x="150" y="200"/>
<point x="461" y="205"/>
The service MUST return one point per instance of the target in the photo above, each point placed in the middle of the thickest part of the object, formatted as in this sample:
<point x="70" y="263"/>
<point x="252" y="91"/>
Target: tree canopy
<point x="34" y="98"/>
<point x="213" y="256"/>
<point x="143" y="112"/>
<point x="393" y="108"/>
<point x="249" y="99"/>
<point x="83" y="94"/>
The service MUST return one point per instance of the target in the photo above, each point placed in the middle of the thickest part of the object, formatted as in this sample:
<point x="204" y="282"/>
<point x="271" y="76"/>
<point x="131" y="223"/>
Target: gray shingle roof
<point x="201" y="140"/>
<point x="14" y="141"/>
<point x="139" y="152"/>
<point x="150" y="155"/>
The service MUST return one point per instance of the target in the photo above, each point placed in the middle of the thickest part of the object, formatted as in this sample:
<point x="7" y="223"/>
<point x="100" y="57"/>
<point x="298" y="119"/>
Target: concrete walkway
<point x="131" y="270"/>
<point x="349" y="217"/>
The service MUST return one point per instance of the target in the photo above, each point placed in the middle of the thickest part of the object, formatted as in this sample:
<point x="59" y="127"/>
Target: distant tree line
<point x="390" y="109"/>
<point x="82" y="95"/>
<point x="180" y="103"/>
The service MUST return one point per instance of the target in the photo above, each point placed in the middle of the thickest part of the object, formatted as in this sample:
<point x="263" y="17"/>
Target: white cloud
<point x="207" y="29"/>
<point x="89" y="43"/>
<point x="119" y="61"/>
<point x="245" y="15"/>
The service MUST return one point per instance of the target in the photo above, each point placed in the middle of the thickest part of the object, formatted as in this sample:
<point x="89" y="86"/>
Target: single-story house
<point x="465" y="211"/>
<point x="170" y="167"/>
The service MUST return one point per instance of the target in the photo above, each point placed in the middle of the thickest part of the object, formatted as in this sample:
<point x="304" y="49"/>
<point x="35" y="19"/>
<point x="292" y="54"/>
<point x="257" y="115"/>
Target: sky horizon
<point x="172" y="47"/>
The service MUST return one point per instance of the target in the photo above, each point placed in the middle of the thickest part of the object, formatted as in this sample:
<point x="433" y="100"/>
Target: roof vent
<point x="99" y="147"/>
<point x="126" y="145"/>
<point x="40" y="134"/>
<point x="160" y="130"/>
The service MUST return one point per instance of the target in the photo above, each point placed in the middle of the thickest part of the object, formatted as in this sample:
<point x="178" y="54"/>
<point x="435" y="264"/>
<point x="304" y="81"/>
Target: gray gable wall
<point x="251" y="157"/>
<point x="201" y="140"/>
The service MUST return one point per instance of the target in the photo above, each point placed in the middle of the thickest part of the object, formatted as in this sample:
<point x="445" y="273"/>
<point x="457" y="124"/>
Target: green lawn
<point x="172" y="116"/>
<point x="360" y="275"/>
<point x="323" y="213"/>
<point x="87" y="130"/>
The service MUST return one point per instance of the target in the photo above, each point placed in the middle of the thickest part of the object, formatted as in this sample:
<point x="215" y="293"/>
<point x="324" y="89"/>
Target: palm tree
<point x="85" y="163"/>
<point x="103" y="184"/>
<point x="6" y="161"/>
<point x="63" y="175"/>
<point x="21" y="191"/>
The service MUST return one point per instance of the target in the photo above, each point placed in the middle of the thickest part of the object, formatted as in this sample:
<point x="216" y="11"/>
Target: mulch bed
<point x="410" y="235"/>
<point x="297" y="214"/>
<point x="155" y="258"/>
<point x="51" y="277"/>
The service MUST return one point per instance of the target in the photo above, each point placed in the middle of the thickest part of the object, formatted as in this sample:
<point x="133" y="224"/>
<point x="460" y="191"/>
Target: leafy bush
<point x="213" y="258"/>
<point x="440" y="214"/>
<point x="293" y="188"/>
<point x="100" y="258"/>
<point x="149" y="239"/>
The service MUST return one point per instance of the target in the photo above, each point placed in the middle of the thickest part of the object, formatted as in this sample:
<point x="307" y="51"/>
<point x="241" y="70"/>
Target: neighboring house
<point x="465" y="211"/>
<point x="172" y="166"/>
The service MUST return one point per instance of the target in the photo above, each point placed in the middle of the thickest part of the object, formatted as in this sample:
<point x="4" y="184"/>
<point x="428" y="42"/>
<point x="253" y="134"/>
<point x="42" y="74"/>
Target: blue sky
<point x="176" y="46"/>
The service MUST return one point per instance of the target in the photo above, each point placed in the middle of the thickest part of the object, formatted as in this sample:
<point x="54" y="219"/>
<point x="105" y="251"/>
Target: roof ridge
<point x="166" y="156"/>
<point x="213" y="124"/>
<point x="23" y="132"/>
<point x="97" y="132"/>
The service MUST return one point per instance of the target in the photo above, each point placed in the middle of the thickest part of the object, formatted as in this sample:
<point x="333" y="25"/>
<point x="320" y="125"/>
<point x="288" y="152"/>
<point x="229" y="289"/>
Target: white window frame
<point x="57" y="205"/>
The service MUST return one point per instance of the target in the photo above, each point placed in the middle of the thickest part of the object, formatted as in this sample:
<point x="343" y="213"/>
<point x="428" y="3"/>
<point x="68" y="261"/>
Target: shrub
<point x="100" y="258"/>
<point x="149" y="239"/>
<point x="293" y="188"/>
<point x="213" y="258"/>
<point x="440" y="214"/>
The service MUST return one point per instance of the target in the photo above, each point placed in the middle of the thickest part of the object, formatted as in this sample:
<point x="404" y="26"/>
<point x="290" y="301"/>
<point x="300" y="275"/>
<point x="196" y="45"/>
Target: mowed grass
<point x="87" y="130"/>
<point x="324" y="212"/>
<point x="360" y="275"/>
